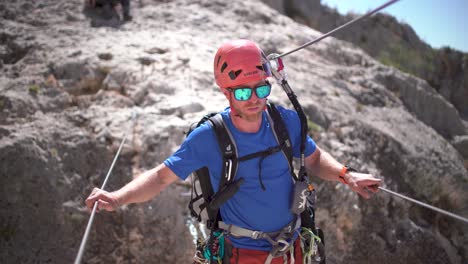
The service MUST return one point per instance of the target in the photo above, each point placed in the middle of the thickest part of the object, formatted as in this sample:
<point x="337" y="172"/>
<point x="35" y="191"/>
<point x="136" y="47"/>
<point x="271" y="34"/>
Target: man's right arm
<point x="141" y="189"/>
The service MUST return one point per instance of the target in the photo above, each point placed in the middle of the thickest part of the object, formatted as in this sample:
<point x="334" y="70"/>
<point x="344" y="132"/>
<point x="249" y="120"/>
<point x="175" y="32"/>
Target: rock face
<point x="68" y="90"/>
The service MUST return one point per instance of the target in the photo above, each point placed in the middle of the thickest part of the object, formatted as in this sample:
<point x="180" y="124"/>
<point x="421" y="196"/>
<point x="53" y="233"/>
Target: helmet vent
<point x="233" y="75"/>
<point x="223" y="67"/>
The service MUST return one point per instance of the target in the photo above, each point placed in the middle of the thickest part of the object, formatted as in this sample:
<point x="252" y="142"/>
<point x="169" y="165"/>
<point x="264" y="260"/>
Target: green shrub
<point x="314" y="129"/>
<point x="34" y="89"/>
<point x="416" y="62"/>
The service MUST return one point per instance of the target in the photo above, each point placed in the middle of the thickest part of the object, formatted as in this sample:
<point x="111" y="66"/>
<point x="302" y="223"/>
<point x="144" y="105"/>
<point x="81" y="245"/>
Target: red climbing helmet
<point x="240" y="61"/>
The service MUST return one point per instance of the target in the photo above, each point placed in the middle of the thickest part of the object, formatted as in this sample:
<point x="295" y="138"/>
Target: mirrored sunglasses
<point x="245" y="93"/>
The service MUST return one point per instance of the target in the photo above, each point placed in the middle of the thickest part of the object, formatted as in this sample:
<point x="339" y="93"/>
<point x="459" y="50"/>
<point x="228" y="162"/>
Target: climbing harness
<point x="281" y="241"/>
<point x="81" y="250"/>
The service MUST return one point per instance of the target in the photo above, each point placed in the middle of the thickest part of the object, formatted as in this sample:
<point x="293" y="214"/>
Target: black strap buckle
<point x="210" y="224"/>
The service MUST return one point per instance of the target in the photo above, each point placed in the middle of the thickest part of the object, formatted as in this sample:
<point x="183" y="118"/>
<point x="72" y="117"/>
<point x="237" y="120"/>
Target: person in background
<point x="111" y="8"/>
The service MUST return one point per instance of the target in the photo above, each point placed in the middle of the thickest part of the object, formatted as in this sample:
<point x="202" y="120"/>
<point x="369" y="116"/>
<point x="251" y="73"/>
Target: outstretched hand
<point x="364" y="184"/>
<point x="105" y="200"/>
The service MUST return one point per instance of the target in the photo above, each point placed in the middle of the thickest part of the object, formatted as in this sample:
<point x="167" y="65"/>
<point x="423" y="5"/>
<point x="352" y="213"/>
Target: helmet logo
<point x="250" y="73"/>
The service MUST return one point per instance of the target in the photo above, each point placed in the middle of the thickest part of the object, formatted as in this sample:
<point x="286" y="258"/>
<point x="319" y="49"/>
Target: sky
<point x="437" y="22"/>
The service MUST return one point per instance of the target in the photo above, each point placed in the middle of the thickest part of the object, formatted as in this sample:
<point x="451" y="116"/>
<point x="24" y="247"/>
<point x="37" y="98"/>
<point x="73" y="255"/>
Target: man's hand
<point x="363" y="183"/>
<point x="105" y="200"/>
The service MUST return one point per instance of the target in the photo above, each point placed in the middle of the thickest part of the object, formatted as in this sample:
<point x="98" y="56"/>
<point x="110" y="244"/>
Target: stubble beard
<point x="250" y="117"/>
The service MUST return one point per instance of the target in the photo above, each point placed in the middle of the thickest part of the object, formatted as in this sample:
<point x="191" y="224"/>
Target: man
<point x="264" y="199"/>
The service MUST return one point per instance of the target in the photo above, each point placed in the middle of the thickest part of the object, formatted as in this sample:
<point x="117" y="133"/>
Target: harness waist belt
<point x="238" y="231"/>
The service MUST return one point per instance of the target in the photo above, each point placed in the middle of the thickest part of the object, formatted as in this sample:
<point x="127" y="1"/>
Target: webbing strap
<point x="229" y="168"/>
<point x="282" y="136"/>
<point x="227" y="147"/>
<point x="263" y="153"/>
<point x="284" y="254"/>
<point x="238" y="231"/>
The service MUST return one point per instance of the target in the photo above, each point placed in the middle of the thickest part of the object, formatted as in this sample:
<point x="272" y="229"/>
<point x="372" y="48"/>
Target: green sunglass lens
<point x="263" y="91"/>
<point x="243" y="94"/>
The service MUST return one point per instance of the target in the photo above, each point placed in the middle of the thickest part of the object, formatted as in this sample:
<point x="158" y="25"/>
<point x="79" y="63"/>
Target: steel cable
<point x="339" y="28"/>
<point x="79" y="256"/>
<point x="464" y="219"/>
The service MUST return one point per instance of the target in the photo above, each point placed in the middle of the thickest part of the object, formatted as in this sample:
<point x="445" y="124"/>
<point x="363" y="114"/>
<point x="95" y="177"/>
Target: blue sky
<point x="437" y="22"/>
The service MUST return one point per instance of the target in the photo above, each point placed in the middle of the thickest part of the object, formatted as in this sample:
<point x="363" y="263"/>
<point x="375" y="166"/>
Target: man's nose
<point x="254" y="97"/>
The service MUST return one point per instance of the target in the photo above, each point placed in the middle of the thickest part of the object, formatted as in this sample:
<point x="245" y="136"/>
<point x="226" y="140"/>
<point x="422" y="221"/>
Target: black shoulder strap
<point x="307" y="216"/>
<point x="282" y="135"/>
<point x="228" y="148"/>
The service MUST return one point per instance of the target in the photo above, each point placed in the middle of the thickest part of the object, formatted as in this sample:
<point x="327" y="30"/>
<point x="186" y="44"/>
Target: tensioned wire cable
<point x="464" y="219"/>
<point x="339" y="28"/>
<point x="79" y="256"/>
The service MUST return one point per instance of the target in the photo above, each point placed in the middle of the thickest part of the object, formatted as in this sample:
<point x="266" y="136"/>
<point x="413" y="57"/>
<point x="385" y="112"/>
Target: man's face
<point x="247" y="107"/>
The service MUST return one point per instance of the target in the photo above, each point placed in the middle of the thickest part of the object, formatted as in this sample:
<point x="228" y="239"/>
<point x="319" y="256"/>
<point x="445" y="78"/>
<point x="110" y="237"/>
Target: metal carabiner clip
<point x="277" y="67"/>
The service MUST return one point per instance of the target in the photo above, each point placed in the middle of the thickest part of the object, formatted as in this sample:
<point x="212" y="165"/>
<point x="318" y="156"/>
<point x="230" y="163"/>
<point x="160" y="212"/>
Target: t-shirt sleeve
<point x="293" y="124"/>
<point x="191" y="154"/>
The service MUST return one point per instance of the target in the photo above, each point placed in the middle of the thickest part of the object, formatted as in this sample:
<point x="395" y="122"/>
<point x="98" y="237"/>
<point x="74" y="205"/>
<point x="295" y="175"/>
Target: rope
<point x="312" y="249"/>
<point x="339" y="28"/>
<point x="91" y="218"/>
<point x="464" y="219"/>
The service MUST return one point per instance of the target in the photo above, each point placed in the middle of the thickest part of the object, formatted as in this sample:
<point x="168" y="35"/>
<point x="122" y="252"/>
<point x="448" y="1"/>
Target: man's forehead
<point x="251" y="84"/>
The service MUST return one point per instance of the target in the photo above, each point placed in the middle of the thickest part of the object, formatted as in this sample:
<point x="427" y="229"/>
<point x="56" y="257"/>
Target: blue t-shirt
<point x="251" y="207"/>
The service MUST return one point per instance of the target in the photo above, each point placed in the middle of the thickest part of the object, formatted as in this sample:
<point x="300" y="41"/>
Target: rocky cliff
<point x="67" y="91"/>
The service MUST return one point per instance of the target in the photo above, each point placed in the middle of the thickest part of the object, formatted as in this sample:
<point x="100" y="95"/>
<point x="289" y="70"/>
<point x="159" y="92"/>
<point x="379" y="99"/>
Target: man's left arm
<point x="322" y="164"/>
